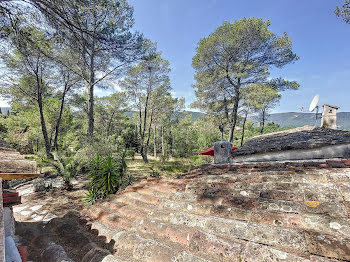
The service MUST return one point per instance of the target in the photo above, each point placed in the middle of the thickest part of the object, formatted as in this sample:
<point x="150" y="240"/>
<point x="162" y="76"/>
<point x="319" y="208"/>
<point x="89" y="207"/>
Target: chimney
<point x="329" y="116"/>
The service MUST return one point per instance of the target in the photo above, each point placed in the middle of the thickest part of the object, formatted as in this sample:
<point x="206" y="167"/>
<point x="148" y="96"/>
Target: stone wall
<point x="2" y="233"/>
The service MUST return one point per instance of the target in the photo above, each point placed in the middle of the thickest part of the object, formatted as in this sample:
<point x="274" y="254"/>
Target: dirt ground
<point x="53" y="217"/>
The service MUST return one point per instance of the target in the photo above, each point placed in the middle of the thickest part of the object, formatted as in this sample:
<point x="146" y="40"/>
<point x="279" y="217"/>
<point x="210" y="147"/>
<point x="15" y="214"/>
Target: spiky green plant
<point x="66" y="167"/>
<point x="105" y="174"/>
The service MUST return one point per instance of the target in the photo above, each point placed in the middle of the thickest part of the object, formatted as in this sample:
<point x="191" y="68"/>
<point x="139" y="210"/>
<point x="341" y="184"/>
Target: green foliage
<point x="3" y="128"/>
<point x="236" y="55"/>
<point x="164" y="158"/>
<point x="189" y="137"/>
<point x="261" y="97"/>
<point x="127" y="180"/>
<point x="131" y="153"/>
<point x="111" y="44"/>
<point x="66" y="167"/>
<point x="88" y="151"/>
<point x="154" y="172"/>
<point x="24" y="127"/>
<point x="148" y="87"/>
<point x="243" y="50"/>
<point x="106" y="175"/>
<point x="344" y="11"/>
<point x="201" y="160"/>
<point x="272" y="127"/>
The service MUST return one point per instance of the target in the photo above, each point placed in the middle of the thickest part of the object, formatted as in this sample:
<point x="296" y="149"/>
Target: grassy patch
<point x="171" y="167"/>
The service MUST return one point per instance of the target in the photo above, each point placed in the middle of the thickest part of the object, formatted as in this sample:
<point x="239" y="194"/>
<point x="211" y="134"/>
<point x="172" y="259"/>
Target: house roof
<point x="307" y="137"/>
<point x="265" y="212"/>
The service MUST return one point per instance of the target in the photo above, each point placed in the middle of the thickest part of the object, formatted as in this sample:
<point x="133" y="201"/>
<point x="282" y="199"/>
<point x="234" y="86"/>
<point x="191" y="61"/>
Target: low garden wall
<point x="2" y="233"/>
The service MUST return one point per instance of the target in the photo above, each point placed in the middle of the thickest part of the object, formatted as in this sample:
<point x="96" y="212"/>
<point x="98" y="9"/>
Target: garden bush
<point x="66" y="167"/>
<point x="106" y="175"/>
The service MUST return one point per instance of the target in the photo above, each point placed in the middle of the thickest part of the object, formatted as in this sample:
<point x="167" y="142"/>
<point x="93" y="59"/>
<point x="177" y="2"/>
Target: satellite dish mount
<point x="314" y="105"/>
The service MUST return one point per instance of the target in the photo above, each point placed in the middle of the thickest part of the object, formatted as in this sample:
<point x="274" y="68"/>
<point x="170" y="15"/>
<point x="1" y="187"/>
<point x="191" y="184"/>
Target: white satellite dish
<point x="314" y="103"/>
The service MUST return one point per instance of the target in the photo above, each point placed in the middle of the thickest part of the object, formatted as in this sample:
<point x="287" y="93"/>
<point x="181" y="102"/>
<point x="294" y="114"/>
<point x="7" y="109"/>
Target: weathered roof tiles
<point x="299" y="138"/>
<point x="231" y="213"/>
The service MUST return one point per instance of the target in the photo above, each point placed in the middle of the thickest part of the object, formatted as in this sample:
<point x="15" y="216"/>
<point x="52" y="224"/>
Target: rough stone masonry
<point x="2" y="232"/>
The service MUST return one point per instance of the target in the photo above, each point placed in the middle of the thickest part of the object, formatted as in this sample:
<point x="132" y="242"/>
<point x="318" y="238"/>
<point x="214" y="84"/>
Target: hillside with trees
<point x="298" y="119"/>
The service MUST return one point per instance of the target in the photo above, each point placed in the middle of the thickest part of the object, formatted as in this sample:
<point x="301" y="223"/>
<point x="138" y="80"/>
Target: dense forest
<point x="56" y="54"/>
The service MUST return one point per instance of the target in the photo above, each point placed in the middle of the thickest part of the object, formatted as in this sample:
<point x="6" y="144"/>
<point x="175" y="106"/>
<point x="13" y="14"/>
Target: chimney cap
<point x="335" y="107"/>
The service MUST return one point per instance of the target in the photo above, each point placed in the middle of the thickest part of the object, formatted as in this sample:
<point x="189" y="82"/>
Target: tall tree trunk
<point x="109" y="125"/>
<point x="162" y="132"/>
<point x="143" y="132"/>
<point x="140" y="146"/>
<point x="155" y="142"/>
<point x="243" y="128"/>
<point x="222" y="133"/>
<point x="58" y="123"/>
<point x="172" y="136"/>
<point x="91" y="85"/>
<point x="145" y="158"/>
<point x="263" y="121"/>
<point x="51" y="135"/>
<point x="226" y="109"/>
<point x="145" y="118"/>
<point x="42" y="120"/>
<point x="221" y="129"/>
<point x="234" y="111"/>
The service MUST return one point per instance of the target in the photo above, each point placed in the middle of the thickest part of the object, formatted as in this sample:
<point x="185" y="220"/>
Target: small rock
<point x="88" y="247"/>
<point x="36" y="208"/>
<point x="40" y="242"/>
<point x="17" y="209"/>
<point x="49" y="217"/>
<point x="54" y="253"/>
<point x="95" y="255"/>
<point x="39" y="185"/>
<point x="38" y="218"/>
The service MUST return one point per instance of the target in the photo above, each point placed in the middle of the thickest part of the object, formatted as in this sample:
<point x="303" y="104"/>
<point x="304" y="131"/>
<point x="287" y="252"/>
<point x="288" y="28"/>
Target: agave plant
<point x="106" y="176"/>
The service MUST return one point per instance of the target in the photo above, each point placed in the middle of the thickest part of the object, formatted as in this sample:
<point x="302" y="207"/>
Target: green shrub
<point x="91" y="151"/>
<point x="127" y="180"/>
<point x="67" y="167"/>
<point x="154" y="172"/>
<point x="200" y="160"/>
<point x="163" y="158"/>
<point x="106" y="174"/>
<point x="131" y="153"/>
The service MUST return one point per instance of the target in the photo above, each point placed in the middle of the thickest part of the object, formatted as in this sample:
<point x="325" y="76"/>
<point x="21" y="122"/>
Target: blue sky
<point x="320" y="38"/>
